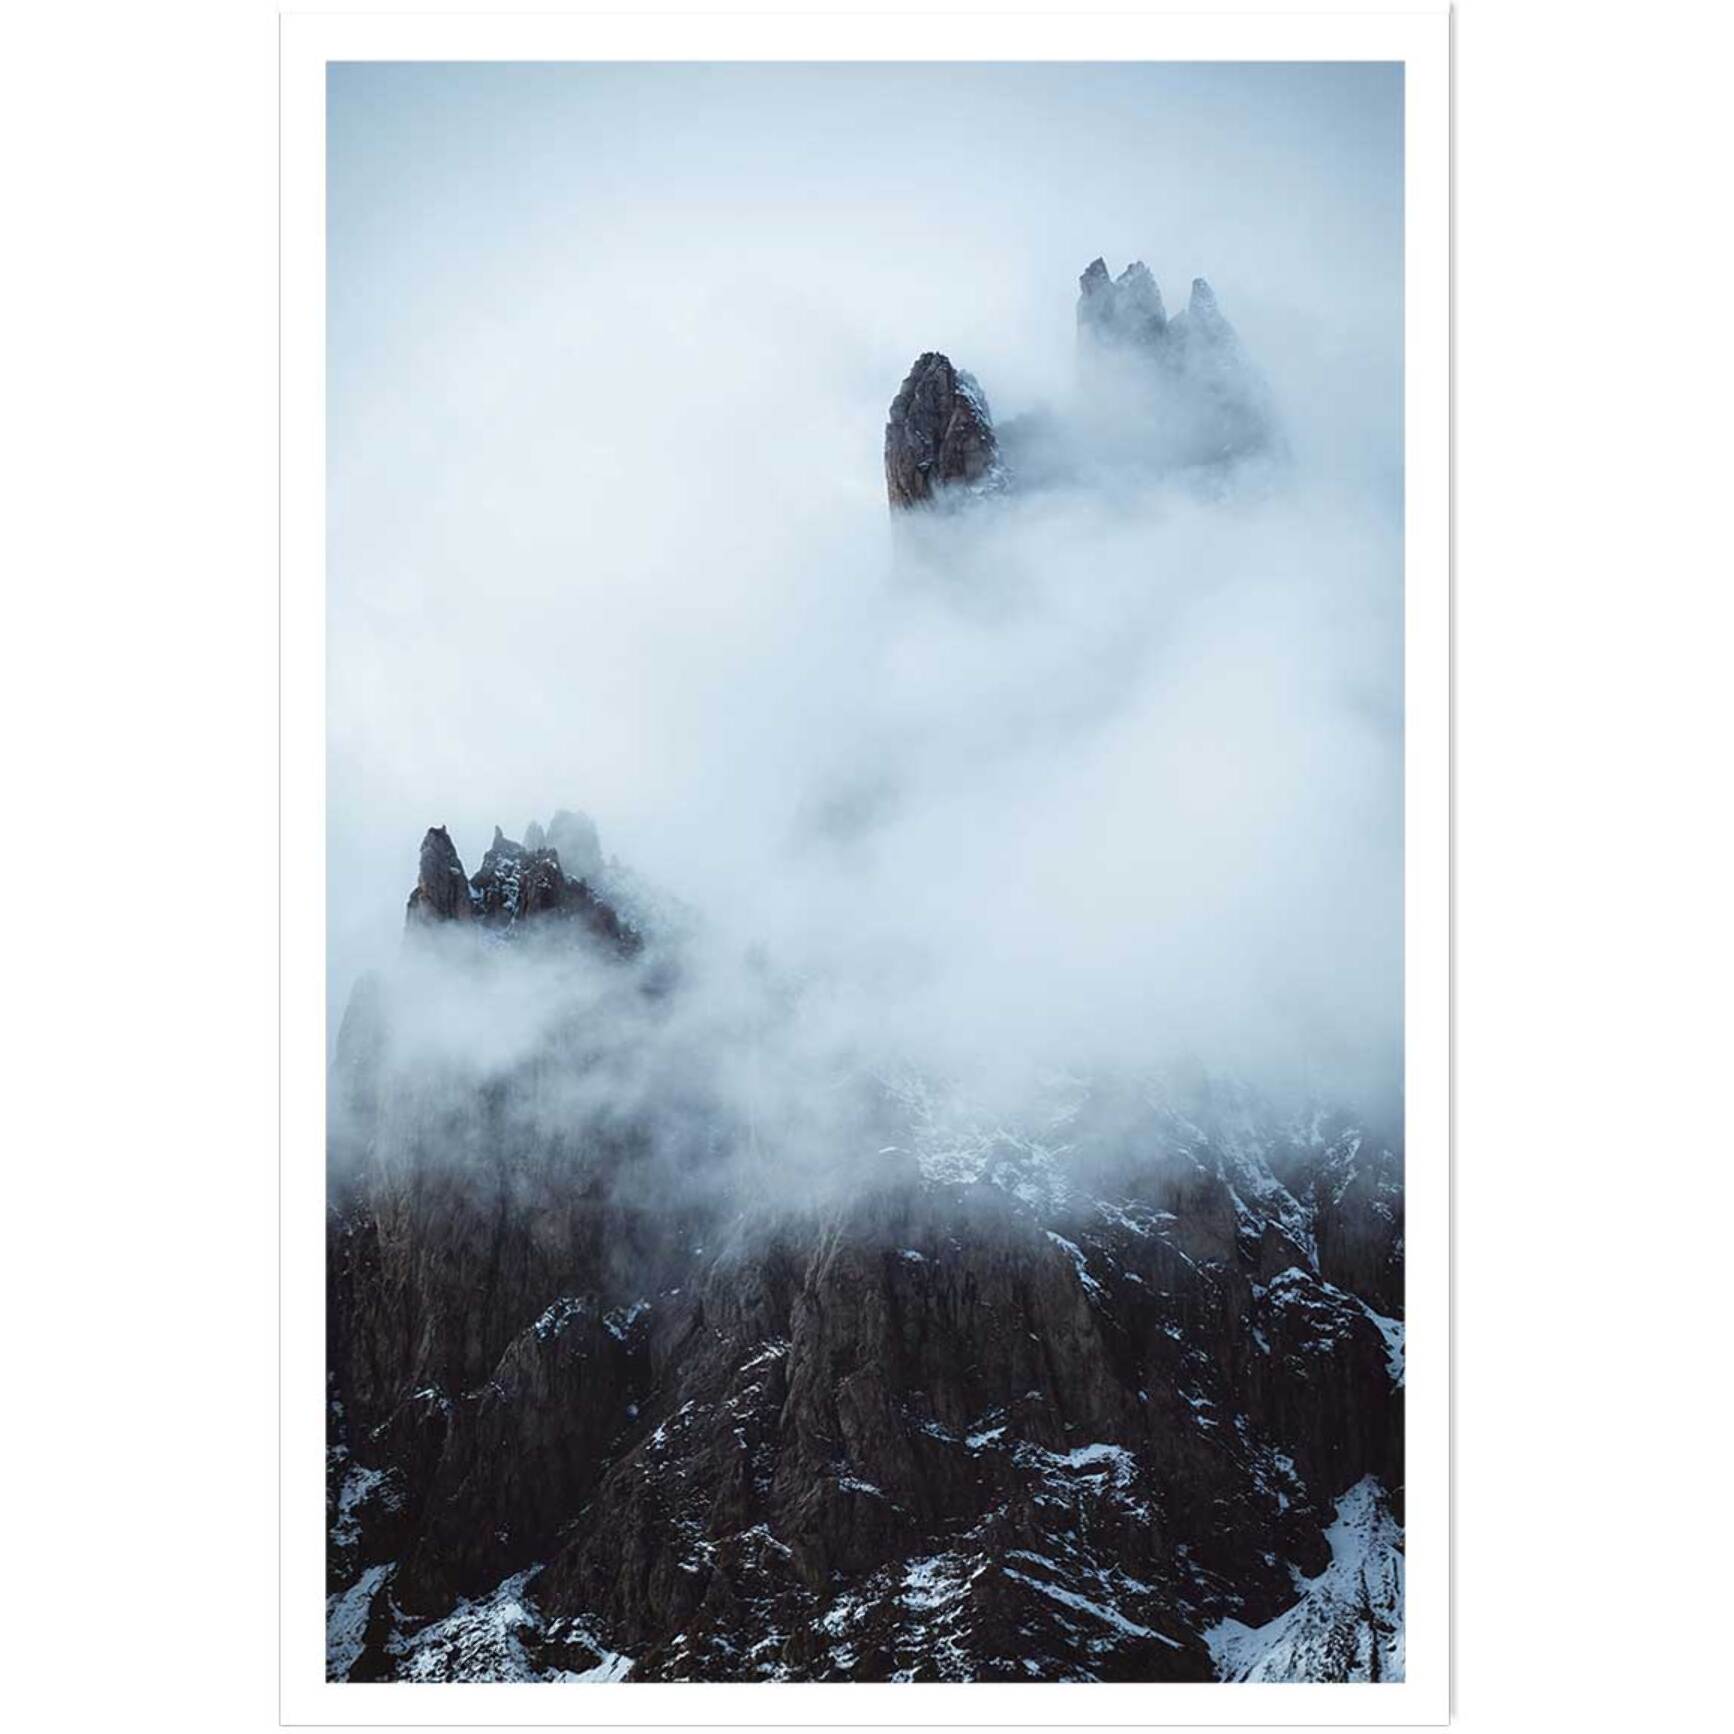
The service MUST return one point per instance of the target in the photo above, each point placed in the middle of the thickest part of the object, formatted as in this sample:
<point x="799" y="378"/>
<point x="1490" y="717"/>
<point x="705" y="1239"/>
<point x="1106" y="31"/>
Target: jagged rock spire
<point x="939" y="436"/>
<point x="1202" y="327"/>
<point x="1126" y="312"/>
<point x="1189" y="376"/>
<point x="497" y="882"/>
<point x="442" y="892"/>
<point x="1123" y="310"/>
<point x="1202" y="304"/>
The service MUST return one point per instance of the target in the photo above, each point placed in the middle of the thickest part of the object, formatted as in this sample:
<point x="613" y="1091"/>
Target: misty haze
<point x="865" y="628"/>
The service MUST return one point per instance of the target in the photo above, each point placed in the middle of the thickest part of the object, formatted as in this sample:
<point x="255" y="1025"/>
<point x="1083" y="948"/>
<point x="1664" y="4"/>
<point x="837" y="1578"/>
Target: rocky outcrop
<point x="441" y="893"/>
<point x="1188" y="378"/>
<point x="1158" y="395"/>
<point x="939" y="438"/>
<point x="1126" y="313"/>
<point x="521" y="887"/>
<point x="1122" y="312"/>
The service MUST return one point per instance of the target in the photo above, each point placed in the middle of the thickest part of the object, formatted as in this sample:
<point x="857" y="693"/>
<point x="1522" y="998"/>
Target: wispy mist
<point x="1107" y="775"/>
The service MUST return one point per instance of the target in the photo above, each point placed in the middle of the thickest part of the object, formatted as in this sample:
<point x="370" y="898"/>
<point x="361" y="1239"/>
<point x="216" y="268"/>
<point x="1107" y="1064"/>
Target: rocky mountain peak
<point x="1202" y="304"/>
<point x="1126" y="310"/>
<point x="1205" y="400"/>
<point x="939" y="437"/>
<point x="1159" y="395"/>
<point x="1202" y="329"/>
<point x="442" y="892"/>
<point x="519" y="883"/>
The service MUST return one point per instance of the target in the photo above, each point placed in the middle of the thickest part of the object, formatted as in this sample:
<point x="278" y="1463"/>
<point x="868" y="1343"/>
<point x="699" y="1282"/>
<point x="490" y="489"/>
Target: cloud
<point x="1103" y="776"/>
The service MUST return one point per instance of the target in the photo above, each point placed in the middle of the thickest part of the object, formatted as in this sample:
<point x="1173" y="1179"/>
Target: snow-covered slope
<point x="1348" y="1622"/>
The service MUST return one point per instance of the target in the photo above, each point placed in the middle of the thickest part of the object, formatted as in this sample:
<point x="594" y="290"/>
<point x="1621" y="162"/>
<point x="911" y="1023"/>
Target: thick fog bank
<point x="1100" y="780"/>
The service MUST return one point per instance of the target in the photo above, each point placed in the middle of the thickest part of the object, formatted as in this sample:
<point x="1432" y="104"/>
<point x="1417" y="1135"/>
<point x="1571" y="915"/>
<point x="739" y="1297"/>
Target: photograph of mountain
<point x="865" y="719"/>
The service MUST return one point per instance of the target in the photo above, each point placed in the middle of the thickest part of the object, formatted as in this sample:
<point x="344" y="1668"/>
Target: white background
<point x="140" y="828"/>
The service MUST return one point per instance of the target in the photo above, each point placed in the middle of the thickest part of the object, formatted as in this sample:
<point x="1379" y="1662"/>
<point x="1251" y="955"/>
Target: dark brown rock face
<point x="441" y="893"/>
<point x="1354" y="1193"/>
<point x="1012" y="1426"/>
<point x="517" y="886"/>
<point x="939" y="437"/>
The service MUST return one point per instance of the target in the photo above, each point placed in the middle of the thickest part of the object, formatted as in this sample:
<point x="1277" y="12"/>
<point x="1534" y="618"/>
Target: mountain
<point x="1157" y="396"/>
<point x="939" y="438"/>
<point x="515" y="884"/>
<point x="1061" y="1401"/>
<point x="632" y="1377"/>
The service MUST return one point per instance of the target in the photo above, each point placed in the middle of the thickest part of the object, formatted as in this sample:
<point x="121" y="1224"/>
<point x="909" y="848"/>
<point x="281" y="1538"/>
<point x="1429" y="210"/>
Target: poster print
<point x="865" y="725"/>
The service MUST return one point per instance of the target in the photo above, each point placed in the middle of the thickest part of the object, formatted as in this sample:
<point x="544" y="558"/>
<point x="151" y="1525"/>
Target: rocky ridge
<point x="517" y="884"/>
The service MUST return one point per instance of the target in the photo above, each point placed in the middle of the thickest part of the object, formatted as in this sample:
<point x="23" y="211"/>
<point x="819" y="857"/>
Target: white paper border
<point x="1421" y="41"/>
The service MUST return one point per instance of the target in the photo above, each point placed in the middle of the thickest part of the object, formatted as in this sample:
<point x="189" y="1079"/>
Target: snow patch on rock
<point x="1347" y="1624"/>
